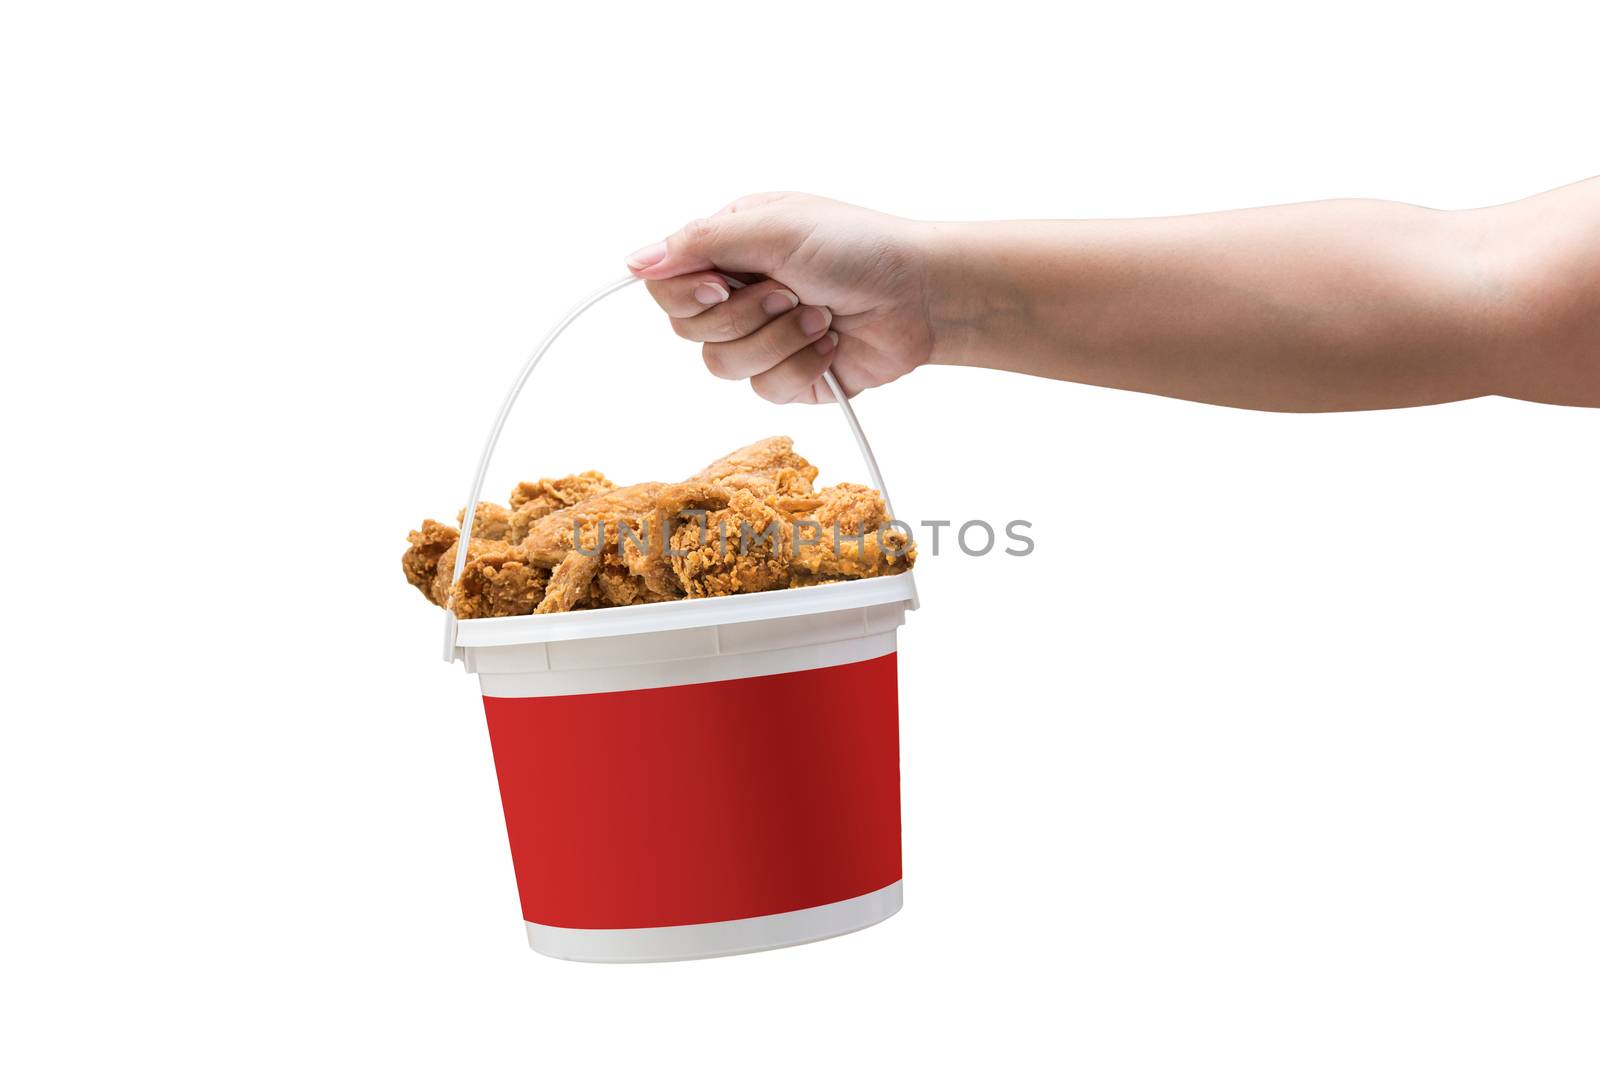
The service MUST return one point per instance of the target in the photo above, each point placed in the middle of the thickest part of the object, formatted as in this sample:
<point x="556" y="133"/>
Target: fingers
<point x="797" y="377"/>
<point x="852" y="376"/>
<point x="757" y="242"/>
<point x="743" y="313"/>
<point x="690" y="294"/>
<point x="773" y="343"/>
<point x="761" y="331"/>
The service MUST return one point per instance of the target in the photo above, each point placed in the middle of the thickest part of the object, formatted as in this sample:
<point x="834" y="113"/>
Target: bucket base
<point x="660" y="944"/>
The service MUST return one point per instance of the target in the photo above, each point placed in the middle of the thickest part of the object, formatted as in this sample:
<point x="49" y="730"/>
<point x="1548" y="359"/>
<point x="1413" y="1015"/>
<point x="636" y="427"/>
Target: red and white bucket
<point x="699" y="777"/>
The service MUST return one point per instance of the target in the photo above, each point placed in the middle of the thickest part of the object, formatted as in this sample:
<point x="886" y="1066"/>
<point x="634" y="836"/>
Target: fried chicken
<point x="497" y="580"/>
<point x="745" y="547"/>
<point x="428" y="546"/>
<point x="768" y="455"/>
<point x="550" y="538"/>
<point x="532" y="501"/>
<point x="874" y="554"/>
<point x="853" y="508"/>
<point x="750" y="521"/>
<point x="441" y="592"/>
<point x="570" y="582"/>
<point x="553" y="493"/>
<point x="643" y="547"/>
<point x="490" y="522"/>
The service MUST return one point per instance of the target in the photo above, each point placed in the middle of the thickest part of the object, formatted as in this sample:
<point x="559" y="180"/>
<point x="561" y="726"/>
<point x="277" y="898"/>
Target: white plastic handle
<point x="516" y="390"/>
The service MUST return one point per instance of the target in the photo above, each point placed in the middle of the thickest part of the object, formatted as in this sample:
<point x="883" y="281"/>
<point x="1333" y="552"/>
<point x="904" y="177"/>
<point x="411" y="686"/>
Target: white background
<point x="1280" y="749"/>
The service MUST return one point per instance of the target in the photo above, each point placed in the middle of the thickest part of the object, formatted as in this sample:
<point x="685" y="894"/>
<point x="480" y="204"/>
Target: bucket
<point x="698" y="777"/>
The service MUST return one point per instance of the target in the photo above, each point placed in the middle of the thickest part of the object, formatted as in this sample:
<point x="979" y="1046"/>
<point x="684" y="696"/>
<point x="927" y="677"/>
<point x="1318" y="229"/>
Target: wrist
<point x="964" y="302"/>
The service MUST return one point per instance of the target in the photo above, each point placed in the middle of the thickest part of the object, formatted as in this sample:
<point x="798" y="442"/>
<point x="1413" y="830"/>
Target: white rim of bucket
<point x="569" y="627"/>
<point x="663" y="944"/>
<point x="687" y="614"/>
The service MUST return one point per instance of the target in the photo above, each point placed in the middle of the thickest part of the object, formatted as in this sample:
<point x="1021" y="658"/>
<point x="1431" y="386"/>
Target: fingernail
<point x="827" y="344"/>
<point x="813" y="321"/>
<point x="708" y="293"/>
<point x="648" y="256"/>
<point x="778" y="301"/>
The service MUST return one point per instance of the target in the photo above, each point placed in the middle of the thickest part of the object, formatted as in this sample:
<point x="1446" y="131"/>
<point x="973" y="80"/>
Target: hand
<point x="828" y="285"/>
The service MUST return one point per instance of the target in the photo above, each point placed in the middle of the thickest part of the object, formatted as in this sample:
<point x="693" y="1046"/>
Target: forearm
<point x="1309" y="307"/>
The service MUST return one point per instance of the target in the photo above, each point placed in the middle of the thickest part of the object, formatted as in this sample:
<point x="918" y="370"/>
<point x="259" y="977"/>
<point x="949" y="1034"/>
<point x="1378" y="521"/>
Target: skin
<point x="1332" y="306"/>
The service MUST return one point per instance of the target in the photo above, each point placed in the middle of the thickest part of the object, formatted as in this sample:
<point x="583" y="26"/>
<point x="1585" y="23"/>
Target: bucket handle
<point x="516" y="390"/>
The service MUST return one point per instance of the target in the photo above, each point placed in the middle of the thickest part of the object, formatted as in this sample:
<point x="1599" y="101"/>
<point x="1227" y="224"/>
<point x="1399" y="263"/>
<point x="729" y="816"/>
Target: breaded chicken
<point x="872" y="555"/>
<point x="490" y="522"/>
<point x="750" y="521"/>
<point x="497" y="581"/>
<point x="569" y="584"/>
<point x="745" y="547"/>
<point x="421" y="561"/>
<point x="532" y="501"/>
<point x="553" y="493"/>
<point x="769" y="467"/>
<point x="643" y="547"/>
<point x="550" y="538"/>
<point x="445" y="574"/>
<point x="851" y="507"/>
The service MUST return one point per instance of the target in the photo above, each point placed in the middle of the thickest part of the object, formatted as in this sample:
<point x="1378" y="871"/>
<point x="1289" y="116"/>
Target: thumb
<point x="744" y="242"/>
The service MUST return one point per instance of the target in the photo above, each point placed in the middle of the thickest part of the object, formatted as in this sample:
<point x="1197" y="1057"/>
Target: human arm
<point x="1333" y="305"/>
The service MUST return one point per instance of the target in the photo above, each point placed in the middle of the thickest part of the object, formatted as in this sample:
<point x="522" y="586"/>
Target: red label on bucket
<point x="702" y="803"/>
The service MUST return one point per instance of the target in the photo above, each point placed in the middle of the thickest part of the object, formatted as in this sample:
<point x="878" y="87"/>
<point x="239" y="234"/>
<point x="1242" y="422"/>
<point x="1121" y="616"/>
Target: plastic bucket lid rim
<point x="686" y="614"/>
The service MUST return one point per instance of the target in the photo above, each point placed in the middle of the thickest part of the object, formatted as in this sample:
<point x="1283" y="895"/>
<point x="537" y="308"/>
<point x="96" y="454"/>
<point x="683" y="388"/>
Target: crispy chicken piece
<point x="846" y="536"/>
<point x="873" y="555"/>
<point x="769" y="467"/>
<point x="645" y="552"/>
<point x="649" y="566"/>
<point x="853" y="508"/>
<point x="614" y="587"/>
<point x="731" y="529"/>
<point x="550" y="538"/>
<point x="440" y="593"/>
<point x="568" y="587"/>
<point x="421" y="560"/>
<point x="522" y="521"/>
<point x="532" y="501"/>
<point x="746" y="547"/>
<point x="787" y="488"/>
<point x="631" y="566"/>
<point x="553" y="493"/>
<point x="431" y="559"/>
<point x="490" y="522"/>
<point x="497" y="581"/>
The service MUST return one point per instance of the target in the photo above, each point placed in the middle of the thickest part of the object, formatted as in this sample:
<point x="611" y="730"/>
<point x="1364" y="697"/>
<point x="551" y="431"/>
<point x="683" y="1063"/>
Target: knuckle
<point x="773" y="343"/>
<point x="747" y="318"/>
<point x="698" y="231"/>
<point x="719" y="327"/>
